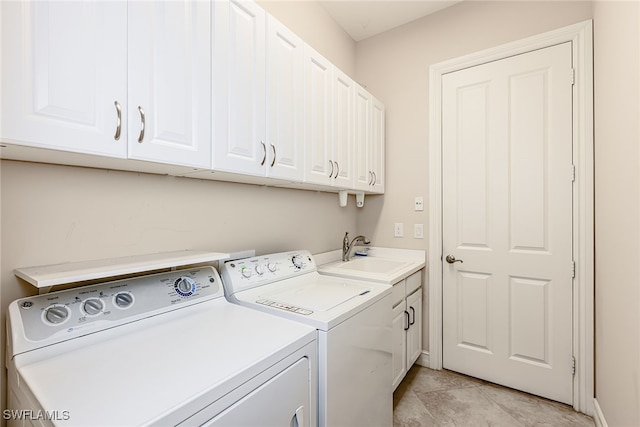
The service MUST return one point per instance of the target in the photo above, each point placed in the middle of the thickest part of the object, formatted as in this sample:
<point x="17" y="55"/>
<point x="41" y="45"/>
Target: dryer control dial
<point x="185" y="286"/>
<point x="298" y="261"/>
<point x="123" y="299"/>
<point x="92" y="306"/>
<point x="246" y="272"/>
<point x="56" y="314"/>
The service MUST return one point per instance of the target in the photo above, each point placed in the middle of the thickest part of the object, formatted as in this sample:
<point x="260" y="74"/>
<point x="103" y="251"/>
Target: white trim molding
<point x="581" y="37"/>
<point x="598" y="416"/>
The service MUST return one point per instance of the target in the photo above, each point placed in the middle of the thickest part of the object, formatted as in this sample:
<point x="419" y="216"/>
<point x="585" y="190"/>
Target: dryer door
<point x="284" y="400"/>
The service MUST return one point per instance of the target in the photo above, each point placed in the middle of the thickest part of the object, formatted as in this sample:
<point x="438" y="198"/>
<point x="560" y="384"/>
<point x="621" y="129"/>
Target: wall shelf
<point x="46" y="276"/>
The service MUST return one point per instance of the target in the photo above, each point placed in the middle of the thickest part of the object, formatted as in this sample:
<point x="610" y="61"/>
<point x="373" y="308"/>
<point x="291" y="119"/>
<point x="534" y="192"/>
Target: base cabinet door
<point x="414" y="333"/>
<point x="399" y="325"/>
<point x="407" y="325"/>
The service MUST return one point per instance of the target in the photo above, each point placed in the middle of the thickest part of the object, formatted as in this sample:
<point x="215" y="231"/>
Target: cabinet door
<point x="343" y="119"/>
<point x="414" y="334"/>
<point x="239" y="88"/>
<point x="63" y="69"/>
<point x="285" y="103"/>
<point x="170" y="82"/>
<point x="377" y="156"/>
<point x="399" y="349"/>
<point x="362" y="153"/>
<point x="318" y="121"/>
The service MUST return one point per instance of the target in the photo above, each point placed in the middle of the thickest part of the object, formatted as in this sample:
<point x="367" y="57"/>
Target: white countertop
<point x="381" y="265"/>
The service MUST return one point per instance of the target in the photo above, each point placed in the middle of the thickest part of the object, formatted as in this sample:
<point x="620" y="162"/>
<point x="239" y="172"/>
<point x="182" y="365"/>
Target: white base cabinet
<point x="407" y="325"/>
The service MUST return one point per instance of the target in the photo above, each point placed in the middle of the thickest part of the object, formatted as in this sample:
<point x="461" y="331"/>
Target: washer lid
<point x="318" y="297"/>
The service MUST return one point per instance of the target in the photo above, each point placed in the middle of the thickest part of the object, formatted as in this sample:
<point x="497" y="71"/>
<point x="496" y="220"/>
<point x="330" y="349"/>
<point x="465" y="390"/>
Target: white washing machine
<point x="353" y="319"/>
<point x="163" y="349"/>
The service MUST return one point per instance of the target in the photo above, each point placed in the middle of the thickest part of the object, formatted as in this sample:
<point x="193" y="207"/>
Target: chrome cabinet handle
<point x="370" y="178"/>
<point x="273" y="162"/>
<point x="331" y="173"/>
<point x="264" y="149"/>
<point x="142" y="125"/>
<point x="119" y="126"/>
<point x="413" y="312"/>
<point x="406" y="314"/>
<point x="375" y="178"/>
<point x="337" y="170"/>
<point x="451" y="259"/>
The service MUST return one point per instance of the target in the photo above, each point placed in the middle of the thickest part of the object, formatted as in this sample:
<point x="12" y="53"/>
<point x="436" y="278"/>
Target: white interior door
<point x="507" y="218"/>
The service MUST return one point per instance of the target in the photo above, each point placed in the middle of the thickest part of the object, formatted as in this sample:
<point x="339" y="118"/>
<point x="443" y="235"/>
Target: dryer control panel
<point x="60" y="315"/>
<point x="247" y="273"/>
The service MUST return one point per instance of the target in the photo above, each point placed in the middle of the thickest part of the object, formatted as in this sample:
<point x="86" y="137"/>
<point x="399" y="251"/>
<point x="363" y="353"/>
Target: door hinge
<point x="573" y="76"/>
<point x="573" y="269"/>
<point x="573" y="173"/>
<point x="573" y="366"/>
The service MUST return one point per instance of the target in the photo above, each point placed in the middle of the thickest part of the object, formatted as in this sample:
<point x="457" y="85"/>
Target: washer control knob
<point x="246" y="272"/>
<point x="298" y="261"/>
<point x="92" y="306"/>
<point x="123" y="299"/>
<point x="271" y="266"/>
<point x="185" y="286"/>
<point x="260" y="269"/>
<point x="56" y="314"/>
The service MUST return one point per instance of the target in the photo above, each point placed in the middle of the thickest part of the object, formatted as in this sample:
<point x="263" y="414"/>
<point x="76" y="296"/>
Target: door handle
<point x="406" y="315"/>
<point x="413" y="320"/>
<point x="451" y="259"/>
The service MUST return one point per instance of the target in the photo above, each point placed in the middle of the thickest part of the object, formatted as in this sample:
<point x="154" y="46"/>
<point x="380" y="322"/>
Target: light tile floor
<point x="444" y="398"/>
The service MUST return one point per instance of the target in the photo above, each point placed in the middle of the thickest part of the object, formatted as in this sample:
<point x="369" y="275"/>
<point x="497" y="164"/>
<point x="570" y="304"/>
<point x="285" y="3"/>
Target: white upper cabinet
<point x="369" y="142"/>
<point x="343" y="129"/>
<point x="183" y="87"/>
<point x="362" y="129"/>
<point x="377" y="145"/>
<point x="285" y="103"/>
<point x="240" y="143"/>
<point x="64" y="68"/>
<point x="89" y="83"/>
<point x="318" y="81"/>
<point x="169" y="102"/>
<point x="329" y="123"/>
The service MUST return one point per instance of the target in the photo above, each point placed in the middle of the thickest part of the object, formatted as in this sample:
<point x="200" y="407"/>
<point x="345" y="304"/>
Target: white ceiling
<point x="366" y="18"/>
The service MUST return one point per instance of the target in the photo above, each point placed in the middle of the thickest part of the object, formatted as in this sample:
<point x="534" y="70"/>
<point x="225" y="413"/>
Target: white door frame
<point x="583" y="202"/>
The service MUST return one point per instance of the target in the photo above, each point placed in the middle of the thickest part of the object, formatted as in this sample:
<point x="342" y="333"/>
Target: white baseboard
<point x="423" y="360"/>
<point x="598" y="416"/>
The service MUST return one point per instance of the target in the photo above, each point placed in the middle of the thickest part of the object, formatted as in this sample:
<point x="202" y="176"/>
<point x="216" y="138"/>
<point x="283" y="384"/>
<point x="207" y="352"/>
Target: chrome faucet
<point x="347" y="247"/>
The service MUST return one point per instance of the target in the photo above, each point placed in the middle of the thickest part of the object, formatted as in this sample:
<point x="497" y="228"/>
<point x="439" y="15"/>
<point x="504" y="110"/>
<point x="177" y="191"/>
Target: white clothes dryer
<point x="163" y="349"/>
<point x="353" y="319"/>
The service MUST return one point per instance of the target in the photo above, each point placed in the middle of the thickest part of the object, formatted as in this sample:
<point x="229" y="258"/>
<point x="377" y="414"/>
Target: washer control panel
<point x="95" y="307"/>
<point x="247" y="273"/>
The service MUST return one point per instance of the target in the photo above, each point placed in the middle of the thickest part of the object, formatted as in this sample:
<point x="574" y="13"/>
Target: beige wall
<point x="395" y="68"/>
<point x="617" y="159"/>
<point x="51" y="214"/>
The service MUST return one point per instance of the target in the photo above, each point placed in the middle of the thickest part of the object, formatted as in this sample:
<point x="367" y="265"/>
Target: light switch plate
<point x="398" y="229"/>
<point x="418" y="231"/>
